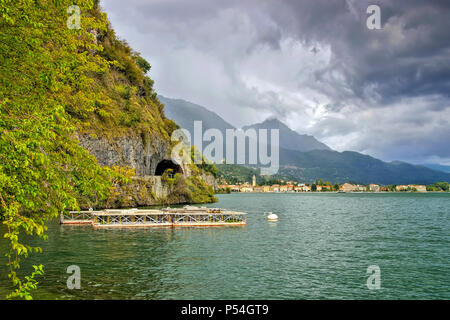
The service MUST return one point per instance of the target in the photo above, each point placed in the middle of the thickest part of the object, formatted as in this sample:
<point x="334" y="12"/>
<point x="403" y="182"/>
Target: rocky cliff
<point x="147" y="186"/>
<point x="143" y="155"/>
<point x="126" y="128"/>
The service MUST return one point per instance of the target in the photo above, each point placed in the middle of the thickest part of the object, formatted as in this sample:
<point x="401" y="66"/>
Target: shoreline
<point x="336" y="192"/>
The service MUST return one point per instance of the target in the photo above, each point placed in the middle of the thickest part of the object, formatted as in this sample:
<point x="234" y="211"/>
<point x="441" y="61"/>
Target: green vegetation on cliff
<point x="56" y="82"/>
<point x="186" y="190"/>
<point x="125" y="102"/>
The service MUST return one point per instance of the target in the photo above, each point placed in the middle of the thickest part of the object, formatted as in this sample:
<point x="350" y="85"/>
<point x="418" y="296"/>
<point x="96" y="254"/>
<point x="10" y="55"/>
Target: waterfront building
<point x="246" y="187"/>
<point x="235" y="188"/>
<point x="258" y="189"/>
<point x="401" y="188"/>
<point x="347" y="187"/>
<point x="418" y="188"/>
<point x="290" y="187"/>
<point x="301" y="187"/>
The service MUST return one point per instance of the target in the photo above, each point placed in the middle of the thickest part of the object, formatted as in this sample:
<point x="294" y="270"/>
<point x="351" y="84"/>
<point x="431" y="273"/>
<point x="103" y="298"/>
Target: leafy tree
<point x="142" y="63"/>
<point x="444" y="186"/>
<point x="46" y="76"/>
<point x="439" y="186"/>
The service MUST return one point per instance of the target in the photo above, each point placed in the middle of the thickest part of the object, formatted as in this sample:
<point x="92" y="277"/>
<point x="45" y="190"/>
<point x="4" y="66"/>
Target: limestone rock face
<point x="131" y="151"/>
<point x="143" y="191"/>
<point x="209" y="179"/>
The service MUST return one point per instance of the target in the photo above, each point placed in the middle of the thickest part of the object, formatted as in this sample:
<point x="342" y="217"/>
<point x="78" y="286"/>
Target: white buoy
<point x="272" y="217"/>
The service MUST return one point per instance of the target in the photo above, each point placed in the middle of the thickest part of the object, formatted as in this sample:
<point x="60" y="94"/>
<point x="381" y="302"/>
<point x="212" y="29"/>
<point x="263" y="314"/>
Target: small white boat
<point x="272" y="217"/>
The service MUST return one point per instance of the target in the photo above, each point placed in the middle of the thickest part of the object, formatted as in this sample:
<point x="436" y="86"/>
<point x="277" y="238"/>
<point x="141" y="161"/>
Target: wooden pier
<point x="169" y="217"/>
<point x="76" y="217"/>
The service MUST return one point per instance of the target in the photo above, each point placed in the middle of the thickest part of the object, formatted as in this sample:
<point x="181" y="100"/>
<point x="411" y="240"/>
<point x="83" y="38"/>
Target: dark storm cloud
<point x="313" y="64"/>
<point x="409" y="56"/>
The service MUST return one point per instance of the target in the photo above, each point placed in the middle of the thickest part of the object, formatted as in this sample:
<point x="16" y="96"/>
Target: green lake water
<point x="319" y="249"/>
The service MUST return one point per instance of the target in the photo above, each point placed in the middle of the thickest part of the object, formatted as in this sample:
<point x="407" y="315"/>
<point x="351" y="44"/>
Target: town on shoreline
<point x="320" y="186"/>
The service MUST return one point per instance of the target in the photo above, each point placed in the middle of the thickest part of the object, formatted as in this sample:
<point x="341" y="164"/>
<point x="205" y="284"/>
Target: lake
<point x="320" y="248"/>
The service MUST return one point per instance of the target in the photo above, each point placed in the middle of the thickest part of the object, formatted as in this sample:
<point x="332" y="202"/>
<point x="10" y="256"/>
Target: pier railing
<point x="150" y="218"/>
<point x="167" y="218"/>
<point x="77" y="217"/>
<point x="207" y="217"/>
<point x="143" y="217"/>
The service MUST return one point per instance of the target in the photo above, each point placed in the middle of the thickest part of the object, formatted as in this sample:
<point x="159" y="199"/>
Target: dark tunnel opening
<point x="167" y="164"/>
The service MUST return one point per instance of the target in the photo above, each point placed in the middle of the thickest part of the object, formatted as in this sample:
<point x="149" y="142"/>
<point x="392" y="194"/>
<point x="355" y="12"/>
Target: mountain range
<point x="184" y="113"/>
<point x="304" y="158"/>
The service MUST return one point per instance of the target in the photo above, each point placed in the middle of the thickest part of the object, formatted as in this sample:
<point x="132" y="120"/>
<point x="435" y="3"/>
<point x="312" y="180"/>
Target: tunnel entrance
<point x="167" y="164"/>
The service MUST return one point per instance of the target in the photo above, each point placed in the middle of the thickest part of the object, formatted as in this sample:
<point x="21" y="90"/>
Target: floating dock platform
<point x="187" y="216"/>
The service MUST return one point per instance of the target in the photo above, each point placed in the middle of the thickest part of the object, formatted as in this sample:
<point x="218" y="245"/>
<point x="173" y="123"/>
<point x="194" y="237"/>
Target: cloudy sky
<point x="313" y="64"/>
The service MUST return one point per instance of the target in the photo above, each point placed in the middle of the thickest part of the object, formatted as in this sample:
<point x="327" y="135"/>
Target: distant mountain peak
<point x="272" y="119"/>
<point x="184" y="113"/>
<point x="274" y="123"/>
<point x="289" y="138"/>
